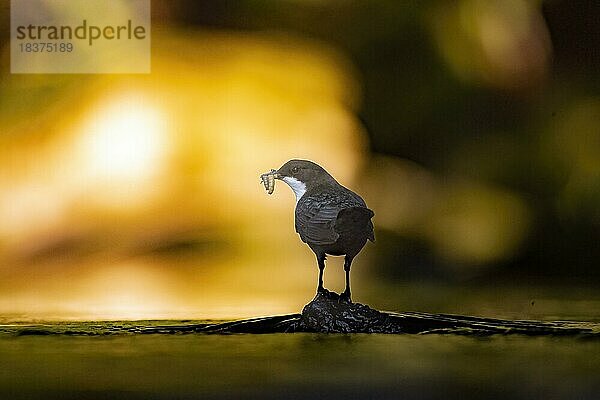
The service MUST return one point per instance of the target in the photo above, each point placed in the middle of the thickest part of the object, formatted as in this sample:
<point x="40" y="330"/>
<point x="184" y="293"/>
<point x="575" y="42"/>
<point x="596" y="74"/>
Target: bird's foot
<point x="345" y="297"/>
<point x="327" y="294"/>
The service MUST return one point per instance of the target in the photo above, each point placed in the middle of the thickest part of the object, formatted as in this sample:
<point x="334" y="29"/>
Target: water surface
<point x="175" y="366"/>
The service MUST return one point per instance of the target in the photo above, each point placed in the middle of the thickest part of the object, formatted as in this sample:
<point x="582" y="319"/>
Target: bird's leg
<point x="346" y="294"/>
<point x="321" y="262"/>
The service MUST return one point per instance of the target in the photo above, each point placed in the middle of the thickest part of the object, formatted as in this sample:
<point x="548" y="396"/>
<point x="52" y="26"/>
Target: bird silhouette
<point x="330" y="219"/>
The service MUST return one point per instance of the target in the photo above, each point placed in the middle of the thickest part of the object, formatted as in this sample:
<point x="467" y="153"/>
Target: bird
<point x="329" y="218"/>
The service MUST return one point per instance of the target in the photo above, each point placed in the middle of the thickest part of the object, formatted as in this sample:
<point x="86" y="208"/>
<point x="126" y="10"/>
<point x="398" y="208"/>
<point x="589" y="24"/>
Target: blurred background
<point x="470" y="127"/>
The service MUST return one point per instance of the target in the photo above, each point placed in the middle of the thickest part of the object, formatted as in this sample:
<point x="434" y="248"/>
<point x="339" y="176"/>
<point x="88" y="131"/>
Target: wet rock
<point x="328" y="313"/>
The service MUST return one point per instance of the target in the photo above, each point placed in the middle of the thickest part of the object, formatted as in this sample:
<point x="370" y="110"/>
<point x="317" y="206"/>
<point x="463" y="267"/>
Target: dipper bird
<point x="330" y="219"/>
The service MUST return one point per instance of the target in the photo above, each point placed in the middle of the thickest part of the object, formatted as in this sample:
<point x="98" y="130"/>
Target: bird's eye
<point x="295" y="170"/>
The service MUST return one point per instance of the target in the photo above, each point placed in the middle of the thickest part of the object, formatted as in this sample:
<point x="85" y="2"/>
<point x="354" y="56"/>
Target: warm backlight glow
<point x="127" y="290"/>
<point x="124" y="141"/>
<point x="144" y="201"/>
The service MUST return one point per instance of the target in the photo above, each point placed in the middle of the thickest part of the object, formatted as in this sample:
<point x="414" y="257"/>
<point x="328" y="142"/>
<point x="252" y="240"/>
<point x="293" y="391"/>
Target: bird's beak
<point x="273" y="173"/>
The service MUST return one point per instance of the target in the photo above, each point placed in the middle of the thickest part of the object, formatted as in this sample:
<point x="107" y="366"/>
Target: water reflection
<point x="299" y="366"/>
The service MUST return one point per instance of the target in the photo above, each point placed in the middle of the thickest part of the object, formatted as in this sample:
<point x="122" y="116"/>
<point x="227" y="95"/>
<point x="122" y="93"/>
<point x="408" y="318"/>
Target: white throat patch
<point x="298" y="187"/>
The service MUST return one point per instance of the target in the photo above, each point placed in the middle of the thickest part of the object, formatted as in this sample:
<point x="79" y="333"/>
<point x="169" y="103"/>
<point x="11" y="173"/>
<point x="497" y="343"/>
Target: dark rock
<point x="329" y="313"/>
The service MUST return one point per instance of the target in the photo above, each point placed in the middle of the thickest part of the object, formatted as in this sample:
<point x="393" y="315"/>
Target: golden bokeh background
<point x="137" y="196"/>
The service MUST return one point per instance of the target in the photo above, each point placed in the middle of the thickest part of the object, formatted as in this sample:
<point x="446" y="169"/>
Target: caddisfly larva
<point x="268" y="180"/>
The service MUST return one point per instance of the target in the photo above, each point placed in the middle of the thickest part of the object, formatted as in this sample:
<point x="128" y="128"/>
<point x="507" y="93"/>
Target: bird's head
<point x="302" y="175"/>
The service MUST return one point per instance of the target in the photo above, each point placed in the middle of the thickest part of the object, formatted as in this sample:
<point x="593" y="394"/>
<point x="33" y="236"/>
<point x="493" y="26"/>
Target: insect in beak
<point x="268" y="180"/>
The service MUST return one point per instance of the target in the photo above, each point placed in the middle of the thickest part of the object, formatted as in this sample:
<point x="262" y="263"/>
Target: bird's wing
<point x="355" y="219"/>
<point x="315" y="220"/>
